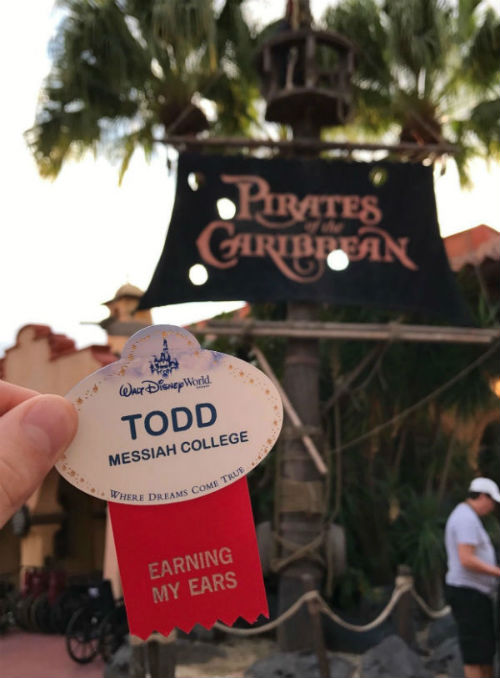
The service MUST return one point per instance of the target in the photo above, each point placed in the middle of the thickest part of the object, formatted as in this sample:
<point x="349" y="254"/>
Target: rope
<point x="293" y="609"/>
<point x="404" y="584"/>
<point x="399" y="590"/>
<point x="433" y="614"/>
<point x="299" y="551"/>
<point x="424" y="400"/>
<point x="310" y="550"/>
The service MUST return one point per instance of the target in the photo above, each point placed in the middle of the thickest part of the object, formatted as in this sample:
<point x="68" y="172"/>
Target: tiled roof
<point x="60" y="345"/>
<point x="472" y="246"/>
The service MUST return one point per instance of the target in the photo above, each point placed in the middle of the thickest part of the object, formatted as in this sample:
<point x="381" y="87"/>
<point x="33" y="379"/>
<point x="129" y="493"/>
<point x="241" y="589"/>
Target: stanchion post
<point x="313" y="608"/>
<point x="153" y="658"/>
<point x="404" y="609"/>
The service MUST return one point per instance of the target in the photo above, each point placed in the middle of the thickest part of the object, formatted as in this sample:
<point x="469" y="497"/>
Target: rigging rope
<point x="475" y="363"/>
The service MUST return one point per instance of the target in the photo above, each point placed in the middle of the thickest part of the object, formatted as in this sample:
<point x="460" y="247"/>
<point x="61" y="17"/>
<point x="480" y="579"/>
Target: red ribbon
<point x="190" y="562"/>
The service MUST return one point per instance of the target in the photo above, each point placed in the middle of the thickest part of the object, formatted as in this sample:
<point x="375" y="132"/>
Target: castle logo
<point x="163" y="364"/>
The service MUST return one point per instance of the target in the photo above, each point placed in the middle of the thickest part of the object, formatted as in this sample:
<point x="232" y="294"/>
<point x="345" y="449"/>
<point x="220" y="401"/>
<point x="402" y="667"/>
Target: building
<point x="124" y="319"/>
<point x="66" y="526"/>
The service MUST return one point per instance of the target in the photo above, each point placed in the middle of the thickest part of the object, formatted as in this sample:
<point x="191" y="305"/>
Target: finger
<point x="11" y="395"/>
<point x="33" y="435"/>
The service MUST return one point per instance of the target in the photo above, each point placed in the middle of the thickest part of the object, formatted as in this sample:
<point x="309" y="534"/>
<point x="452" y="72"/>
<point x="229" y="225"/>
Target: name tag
<point x="166" y="435"/>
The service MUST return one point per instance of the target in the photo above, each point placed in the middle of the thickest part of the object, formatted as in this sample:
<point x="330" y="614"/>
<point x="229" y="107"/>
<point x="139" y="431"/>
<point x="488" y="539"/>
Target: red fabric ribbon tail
<point x="190" y="562"/>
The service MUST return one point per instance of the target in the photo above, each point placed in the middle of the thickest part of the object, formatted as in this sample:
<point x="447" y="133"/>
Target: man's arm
<point x="468" y="558"/>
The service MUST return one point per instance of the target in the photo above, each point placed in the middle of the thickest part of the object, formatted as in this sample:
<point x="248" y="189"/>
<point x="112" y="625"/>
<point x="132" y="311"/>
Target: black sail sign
<point x="289" y="216"/>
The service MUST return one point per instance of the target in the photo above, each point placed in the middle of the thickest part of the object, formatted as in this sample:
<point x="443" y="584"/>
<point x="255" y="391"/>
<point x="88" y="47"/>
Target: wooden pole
<point x="154" y="657"/>
<point x="313" y="607"/>
<point x="297" y="527"/>
<point x="301" y="329"/>
<point x="290" y="411"/>
<point x="307" y="144"/>
<point x="403" y="612"/>
<point x="301" y="382"/>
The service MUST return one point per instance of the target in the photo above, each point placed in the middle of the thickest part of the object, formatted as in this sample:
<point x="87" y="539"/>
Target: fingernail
<point x="50" y="424"/>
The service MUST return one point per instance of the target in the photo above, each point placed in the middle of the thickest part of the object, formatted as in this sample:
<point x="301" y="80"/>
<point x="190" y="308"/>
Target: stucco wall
<point x="50" y="363"/>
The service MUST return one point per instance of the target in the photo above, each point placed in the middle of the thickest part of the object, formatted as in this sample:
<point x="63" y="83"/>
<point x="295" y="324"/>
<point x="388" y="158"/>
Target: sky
<point x="68" y="245"/>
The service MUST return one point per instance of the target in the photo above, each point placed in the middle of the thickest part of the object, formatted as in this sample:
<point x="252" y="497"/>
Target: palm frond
<point x="427" y="66"/>
<point x="484" y="122"/>
<point x="361" y="22"/>
<point x="121" y="68"/>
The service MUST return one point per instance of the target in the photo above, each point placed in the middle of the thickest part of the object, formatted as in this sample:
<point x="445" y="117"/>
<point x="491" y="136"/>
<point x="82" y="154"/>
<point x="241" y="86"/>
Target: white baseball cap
<point x="487" y="486"/>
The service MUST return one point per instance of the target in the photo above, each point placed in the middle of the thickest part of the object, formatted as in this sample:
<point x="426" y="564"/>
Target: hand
<point x="35" y="430"/>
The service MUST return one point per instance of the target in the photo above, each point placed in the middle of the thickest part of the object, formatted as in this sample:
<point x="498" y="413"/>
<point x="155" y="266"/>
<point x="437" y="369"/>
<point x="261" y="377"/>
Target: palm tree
<point x="126" y="72"/>
<point x="426" y="69"/>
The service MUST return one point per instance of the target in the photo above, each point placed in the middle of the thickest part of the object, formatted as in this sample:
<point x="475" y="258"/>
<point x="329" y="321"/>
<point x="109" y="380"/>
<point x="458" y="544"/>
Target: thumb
<point x="33" y="435"/>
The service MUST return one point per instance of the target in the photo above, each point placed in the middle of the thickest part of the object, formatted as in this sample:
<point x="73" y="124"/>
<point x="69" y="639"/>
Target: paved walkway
<point x="34" y="655"/>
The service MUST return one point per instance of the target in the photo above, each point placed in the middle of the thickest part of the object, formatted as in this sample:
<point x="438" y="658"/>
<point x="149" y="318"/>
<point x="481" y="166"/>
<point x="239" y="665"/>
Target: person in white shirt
<point x="472" y="577"/>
